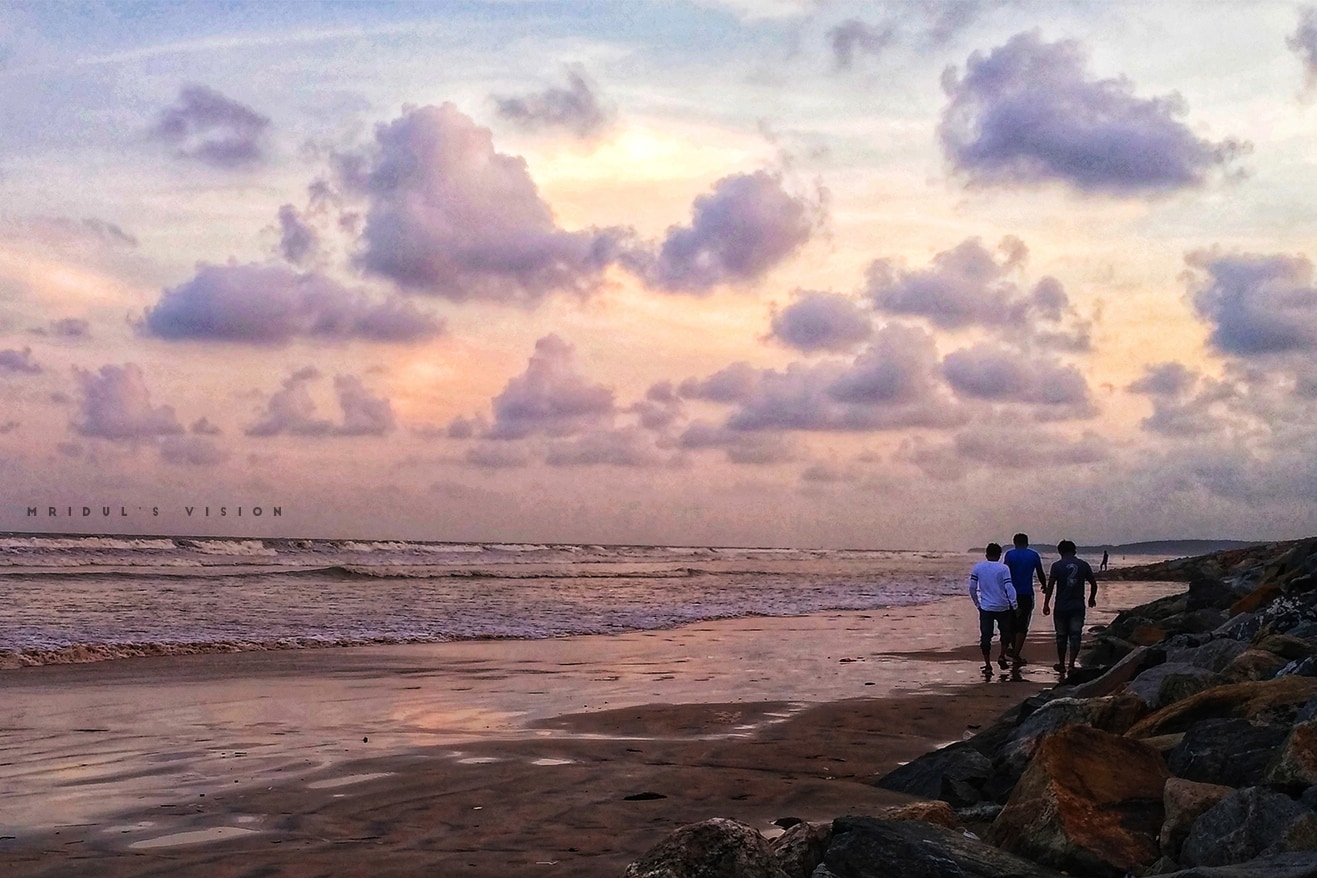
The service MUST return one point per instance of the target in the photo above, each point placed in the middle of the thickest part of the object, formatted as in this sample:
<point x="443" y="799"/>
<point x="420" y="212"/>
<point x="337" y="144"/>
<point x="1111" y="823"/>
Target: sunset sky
<point x="728" y="272"/>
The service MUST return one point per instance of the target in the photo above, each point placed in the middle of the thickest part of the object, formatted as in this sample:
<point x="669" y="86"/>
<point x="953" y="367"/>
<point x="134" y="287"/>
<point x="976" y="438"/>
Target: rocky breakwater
<point x="1186" y="745"/>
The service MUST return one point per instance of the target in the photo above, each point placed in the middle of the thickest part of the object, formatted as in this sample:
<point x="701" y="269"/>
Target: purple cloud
<point x="116" y="405"/>
<point x="65" y="327"/>
<point x="739" y="231"/>
<point x="627" y="447"/>
<point x="853" y="37"/>
<point x="298" y="240"/>
<point x="291" y="410"/>
<point x="207" y="126"/>
<point x="1004" y="446"/>
<point x="1028" y="113"/>
<point x="1257" y="305"/>
<point x="449" y="216"/>
<point x="753" y="449"/>
<point x="818" y="321"/>
<point x="997" y="374"/>
<point x="1303" y="42"/>
<point x="1165" y="379"/>
<point x="551" y="397"/>
<point x="734" y="383"/>
<point x="576" y="108"/>
<point x="271" y="304"/>
<point x="192" y="451"/>
<point x="19" y="362"/>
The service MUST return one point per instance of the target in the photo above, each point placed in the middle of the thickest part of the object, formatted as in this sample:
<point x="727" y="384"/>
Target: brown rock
<point x="1184" y="801"/>
<point x="1255" y="664"/>
<point x="1287" y="647"/>
<point x="938" y="813"/>
<point x="800" y="849"/>
<point x="1296" y="765"/>
<point x="716" y="848"/>
<point x="1147" y="635"/>
<point x="1247" y="700"/>
<point x="1090" y="804"/>
<point x="1256" y="599"/>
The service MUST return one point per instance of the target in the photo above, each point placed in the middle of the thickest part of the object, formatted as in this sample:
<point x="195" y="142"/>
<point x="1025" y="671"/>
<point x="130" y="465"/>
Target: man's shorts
<point x="1023" y="612"/>
<point x="1005" y="622"/>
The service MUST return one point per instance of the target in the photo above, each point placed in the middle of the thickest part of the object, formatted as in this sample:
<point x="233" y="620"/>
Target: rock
<point x="1090" y="803"/>
<point x="954" y="774"/>
<point x="1213" y="655"/>
<point x="1289" y="865"/>
<point x="1296" y="763"/>
<point x="1106" y="650"/>
<point x="1287" y="646"/>
<point x="1147" y="686"/>
<point x="1300" y="667"/>
<point x="800" y="849"/>
<point x="716" y="848"/>
<point x="1249" y="823"/>
<point x="1262" y="700"/>
<point x="938" y="813"/>
<point x="1234" y="752"/>
<point x="1210" y="593"/>
<point x="1253" y="664"/>
<point x="1130" y="667"/>
<point x="1183" y="801"/>
<point x="866" y="847"/>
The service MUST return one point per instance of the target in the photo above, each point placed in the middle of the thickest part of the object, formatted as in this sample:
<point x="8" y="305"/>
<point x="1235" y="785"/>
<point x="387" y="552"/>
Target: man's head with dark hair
<point x="1066" y="547"/>
<point x="993" y="552"/>
<point x="1021" y="541"/>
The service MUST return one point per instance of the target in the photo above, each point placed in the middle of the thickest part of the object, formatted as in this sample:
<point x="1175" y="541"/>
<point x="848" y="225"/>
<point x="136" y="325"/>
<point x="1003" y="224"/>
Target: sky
<point x="693" y="272"/>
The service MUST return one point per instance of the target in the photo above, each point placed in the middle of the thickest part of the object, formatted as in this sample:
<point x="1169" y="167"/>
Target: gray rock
<point x="1304" y="667"/>
<point x="1213" y="655"/>
<point x="1297" y="864"/>
<point x="1247" y="824"/>
<point x="865" y="847"/>
<point x="1148" y="685"/>
<point x="955" y="774"/>
<point x="716" y="848"/>
<point x="1234" y="752"/>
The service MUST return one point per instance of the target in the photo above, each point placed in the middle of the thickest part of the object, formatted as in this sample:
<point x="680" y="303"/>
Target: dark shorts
<point x="1023" y="612"/>
<point x="1003" y="620"/>
<point x="1069" y="625"/>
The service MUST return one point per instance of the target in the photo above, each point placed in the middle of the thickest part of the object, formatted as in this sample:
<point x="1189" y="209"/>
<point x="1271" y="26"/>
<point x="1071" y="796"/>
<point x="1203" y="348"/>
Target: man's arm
<point x="1038" y="568"/>
<point x="1092" y="586"/>
<point x="1047" y="593"/>
<point x="974" y="589"/>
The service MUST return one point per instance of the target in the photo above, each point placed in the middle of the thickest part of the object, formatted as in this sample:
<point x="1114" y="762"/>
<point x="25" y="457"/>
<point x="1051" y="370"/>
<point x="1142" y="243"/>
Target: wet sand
<point x="567" y="757"/>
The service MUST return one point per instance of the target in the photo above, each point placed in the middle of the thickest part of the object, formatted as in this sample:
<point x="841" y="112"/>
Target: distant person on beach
<point x="994" y="597"/>
<point x="1106" y="556"/>
<point x="1067" y="578"/>
<point x="1024" y="564"/>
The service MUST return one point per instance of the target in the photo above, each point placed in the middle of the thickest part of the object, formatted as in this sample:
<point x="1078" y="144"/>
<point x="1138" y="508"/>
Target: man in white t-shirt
<point x="993" y="594"/>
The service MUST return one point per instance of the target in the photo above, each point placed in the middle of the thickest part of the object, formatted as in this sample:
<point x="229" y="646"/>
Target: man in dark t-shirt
<point x="1067" y="579"/>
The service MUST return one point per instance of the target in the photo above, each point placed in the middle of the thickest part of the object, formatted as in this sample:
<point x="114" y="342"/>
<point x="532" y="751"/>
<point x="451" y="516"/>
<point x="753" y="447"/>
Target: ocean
<point x="87" y="598"/>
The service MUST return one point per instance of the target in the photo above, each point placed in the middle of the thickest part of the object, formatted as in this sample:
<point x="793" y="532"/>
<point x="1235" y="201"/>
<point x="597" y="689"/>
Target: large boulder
<point x="800" y="849"/>
<point x="1301" y="864"/>
<point x="1287" y="646"/>
<point x="1090" y="803"/>
<point x="716" y="848"/>
<point x="1184" y="801"/>
<point x="1232" y="751"/>
<point x="1213" y="655"/>
<point x="1246" y="824"/>
<point x="1132" y="666"/>
<point x="866" y="847"/>
<point x="1253" y="664"/>
<point x="955" y="774"/>
<point x="1295" y="767"/>
<point x="1147" y="686"/>
<point x="1275" y="700"/>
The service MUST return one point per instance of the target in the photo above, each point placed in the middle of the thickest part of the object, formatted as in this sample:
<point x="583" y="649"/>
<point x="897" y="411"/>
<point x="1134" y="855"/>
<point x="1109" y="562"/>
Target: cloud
<point x="65" y="327"/>
<point x="498" y="455"/>
<point x="19" y="362"/>
<point x="192" y="451"/>
<point x="448" y="216"/>
<point x="853" y="37"/>
<point x="756" y="449"/>
<point x="203" y="427"/>
<point x="627" y="447"/>
<point x="298" y="240"/>
<point x="1256" y="305"/>
<point x="576" y="108"/>
<point x="891" y="384"/>
<point x="209" y="127"/>
<point x="996" y="374"/>
<point x="551" y="397"/>
<point x="818" y="321"/>
<point x="969" y="285"/>
<point x="1165" y="379"/>
<point x="998" y="445"/>
<point x="116" y="405"/>
<point x="271" y="304"/>
<point x="291" y="410"/>
<point x="1303" y="42"/>
<point x="99" y="230"/>
<point x="739" y="231"/>
<point x="1028" y="113"/>
<point x="8" y="427"/>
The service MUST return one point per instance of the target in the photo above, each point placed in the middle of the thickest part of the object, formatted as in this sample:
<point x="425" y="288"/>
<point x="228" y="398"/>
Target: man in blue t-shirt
<point x="1067" y="578"/>
<point x="1025" y="564"/>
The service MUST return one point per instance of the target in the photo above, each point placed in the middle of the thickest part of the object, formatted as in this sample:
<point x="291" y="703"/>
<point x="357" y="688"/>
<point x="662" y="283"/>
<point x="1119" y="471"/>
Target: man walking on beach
<point x="1025" y="564"/>
<point x="1068" y="577"/>
<point x="993" y="595"/>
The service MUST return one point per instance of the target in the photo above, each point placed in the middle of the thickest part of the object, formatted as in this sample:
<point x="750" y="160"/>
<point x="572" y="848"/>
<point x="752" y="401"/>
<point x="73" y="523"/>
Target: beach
<point x="567" y="756"/>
